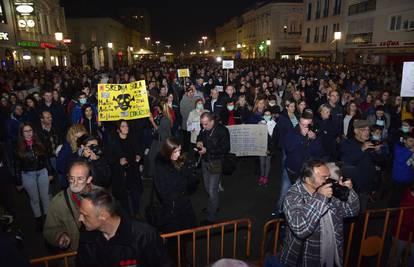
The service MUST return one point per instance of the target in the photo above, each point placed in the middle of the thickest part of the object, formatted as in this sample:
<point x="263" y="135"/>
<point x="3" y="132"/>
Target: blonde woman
<point x="68" y="148"/>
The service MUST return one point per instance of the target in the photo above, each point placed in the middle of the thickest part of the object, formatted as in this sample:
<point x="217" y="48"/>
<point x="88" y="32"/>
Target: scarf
<point x="29" y="142"/>
<point x="231" y="121"/>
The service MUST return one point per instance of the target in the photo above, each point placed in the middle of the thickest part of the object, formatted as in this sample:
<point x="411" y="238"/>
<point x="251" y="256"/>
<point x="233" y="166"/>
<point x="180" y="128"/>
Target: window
<point x="308" y="30"/>
<point x="316" y="36"/>
<point x="360" y="38"/>
<point x="362" y="7"/>
<point x="326" y="8"/>
<point x="324" y="34"/>
<point x="309" y="11"/>
<point x="318" y="10"/>
<point x="337" y="7"/>
<point x="392" y="25"/>
<point x="396" y="25"/>
<point x="335" y="28"/>
<point x="2" y="13"/>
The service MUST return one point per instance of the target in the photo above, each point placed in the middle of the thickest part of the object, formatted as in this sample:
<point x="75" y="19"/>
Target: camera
<point x="341" y="192"/>
<point x="314" y="128"/>
<point x="95" y="149"/>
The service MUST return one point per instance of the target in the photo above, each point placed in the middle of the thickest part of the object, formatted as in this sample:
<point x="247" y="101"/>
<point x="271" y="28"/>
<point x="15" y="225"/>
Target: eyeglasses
<point x="28" y="131"/>
<point x="73" y="179"/>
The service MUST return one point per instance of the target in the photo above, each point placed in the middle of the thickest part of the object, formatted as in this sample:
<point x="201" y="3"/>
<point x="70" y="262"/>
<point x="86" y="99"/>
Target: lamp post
<point x="204" y="38"/>
<point x="110" y="59"/>
<point x="147" y="39"/>
<point x="59" y="38"/>
<point x="268" y="43"/>
<point x="337" y="37"/>
<point x="157" y="43"/>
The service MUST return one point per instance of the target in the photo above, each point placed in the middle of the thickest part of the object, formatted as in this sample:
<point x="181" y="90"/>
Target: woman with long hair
<point x="69" y="147"/>
<point x="193" y="120"/>
<point x="258" y="109"/>
<point x="348" y="122"/>
<point x="33" y="171"/>
<point x="172" y="178"/>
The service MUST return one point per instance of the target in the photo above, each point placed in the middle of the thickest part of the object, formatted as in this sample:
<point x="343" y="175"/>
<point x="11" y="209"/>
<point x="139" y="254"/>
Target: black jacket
<point x="216" y="141"/>
<point x="225" y="114"/>
<point x="133" y="241"/>
<point x="172" y="187"/>
<point x="31" y="161"/>
<point x="218" y="106"/>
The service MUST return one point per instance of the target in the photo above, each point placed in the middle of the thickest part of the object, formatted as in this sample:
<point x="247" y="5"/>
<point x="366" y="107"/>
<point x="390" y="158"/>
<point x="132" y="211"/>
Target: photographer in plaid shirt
<point x="314" y="236"/>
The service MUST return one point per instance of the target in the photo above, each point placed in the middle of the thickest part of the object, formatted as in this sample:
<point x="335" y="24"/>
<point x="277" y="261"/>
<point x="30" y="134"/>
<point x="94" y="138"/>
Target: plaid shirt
<point x="303" y="212"/>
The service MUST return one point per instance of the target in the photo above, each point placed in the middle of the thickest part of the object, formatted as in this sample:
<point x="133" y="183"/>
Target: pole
<point x="336" y="51"/>
<point x="227" y="77"/>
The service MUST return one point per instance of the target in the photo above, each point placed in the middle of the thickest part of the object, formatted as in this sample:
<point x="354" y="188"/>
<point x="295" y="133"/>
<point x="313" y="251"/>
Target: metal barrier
<point x="208" y="229"/>
<point x="179" y="235"/>
<point x="47" y="259"/>
<point x="370" y="246"/>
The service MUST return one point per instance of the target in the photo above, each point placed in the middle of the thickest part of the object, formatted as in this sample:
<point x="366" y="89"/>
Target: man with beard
<point x="61" y="228"/>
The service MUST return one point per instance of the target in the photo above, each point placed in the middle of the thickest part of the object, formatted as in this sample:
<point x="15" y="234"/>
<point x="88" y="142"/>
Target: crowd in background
<point x="333" y="112"/>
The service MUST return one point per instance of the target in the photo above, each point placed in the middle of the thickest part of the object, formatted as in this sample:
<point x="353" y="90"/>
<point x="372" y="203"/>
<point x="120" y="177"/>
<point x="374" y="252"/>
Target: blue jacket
<point x="299" y="149"/>
<point x="401" y="172"/>
<point x="77" y="112"/>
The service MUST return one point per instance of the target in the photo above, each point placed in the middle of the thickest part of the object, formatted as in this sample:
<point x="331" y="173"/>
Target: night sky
<point x="173" y="22"/>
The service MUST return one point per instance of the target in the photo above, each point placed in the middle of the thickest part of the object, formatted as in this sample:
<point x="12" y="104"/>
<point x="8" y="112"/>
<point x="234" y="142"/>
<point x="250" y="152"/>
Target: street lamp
<point x="157" y="43"/>
<point x="59" y="38"/>
<point x="223" y="48"/>
<point x="268" y="43"/>
<point x="110" y="45"/>
<point x="337" y="37"/>
<point x="147" y="39"/>
<point x="239" y="46"/>
<point x="204" y="38"/>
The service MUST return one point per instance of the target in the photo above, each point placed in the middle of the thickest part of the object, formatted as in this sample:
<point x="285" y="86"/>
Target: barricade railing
<point x="208" y="231"/>
<point x="45" y="260"/>
<point x="369" y="245"/>
<point x="180" y="236"/>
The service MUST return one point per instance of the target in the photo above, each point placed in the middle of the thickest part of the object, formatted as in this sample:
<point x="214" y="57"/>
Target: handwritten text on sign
<point x="123" y="101"/>
<point x="248" y="140"/>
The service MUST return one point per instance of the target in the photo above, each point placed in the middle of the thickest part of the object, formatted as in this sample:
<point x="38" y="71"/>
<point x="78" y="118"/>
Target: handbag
<point x="229" y="164"/>
<point x="215" y="166"/>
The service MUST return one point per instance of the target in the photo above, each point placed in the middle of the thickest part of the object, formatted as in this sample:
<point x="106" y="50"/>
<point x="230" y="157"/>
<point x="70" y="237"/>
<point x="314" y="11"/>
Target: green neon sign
<point x="28" y="44"/>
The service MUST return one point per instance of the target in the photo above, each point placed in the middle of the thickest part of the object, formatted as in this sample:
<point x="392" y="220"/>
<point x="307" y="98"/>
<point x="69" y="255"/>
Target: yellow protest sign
<point x="183" y="73"/>
<point x="123" y="101"/>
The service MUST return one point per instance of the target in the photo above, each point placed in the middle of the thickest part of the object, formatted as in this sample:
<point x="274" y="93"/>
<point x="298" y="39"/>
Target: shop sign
<point x="47" y="45"/>
<point x="24" y="9"/>
<point x="28" y="44"/>
<point x="389" y="43"/>
<point x="4" y="36"/>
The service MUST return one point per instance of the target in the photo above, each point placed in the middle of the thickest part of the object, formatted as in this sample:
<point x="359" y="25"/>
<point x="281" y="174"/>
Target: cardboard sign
<point x="407" y="82"/>
<point x="228" y="64"/>
<point x="163" y="59"/>
<point x="248" y="139"/>
<point x="219" y="88"/>
<point x="123" y="101"/>
<point x="183" y="73"/>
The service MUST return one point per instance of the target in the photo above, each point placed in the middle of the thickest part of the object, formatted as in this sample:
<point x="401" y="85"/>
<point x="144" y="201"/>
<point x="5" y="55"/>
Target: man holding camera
<point x="314" y="215"/>
<point x="213" y="143"/>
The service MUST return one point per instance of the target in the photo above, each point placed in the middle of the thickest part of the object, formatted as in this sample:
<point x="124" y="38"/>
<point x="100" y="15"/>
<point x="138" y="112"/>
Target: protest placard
<point x="407" y="82"/>
<point x="248" y="139"/>
<point x="123" y="101"/>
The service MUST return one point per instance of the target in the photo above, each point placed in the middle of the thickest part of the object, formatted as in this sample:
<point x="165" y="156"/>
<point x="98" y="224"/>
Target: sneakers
<point x="263" y="181"/>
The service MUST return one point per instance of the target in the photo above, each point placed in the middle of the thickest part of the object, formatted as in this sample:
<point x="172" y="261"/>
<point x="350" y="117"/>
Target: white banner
<point x="407" y="83"/>
<point x="248" y="139"/>
<point x="228" y="64"/>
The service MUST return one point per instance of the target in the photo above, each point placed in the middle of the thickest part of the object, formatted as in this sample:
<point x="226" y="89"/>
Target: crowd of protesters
<point x="50" y="127"/>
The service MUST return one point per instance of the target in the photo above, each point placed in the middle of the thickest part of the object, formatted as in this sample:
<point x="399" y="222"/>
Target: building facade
<point x="270" y="30"/>
<point x="30" y="27"/>
<point x="372" y="31"/>
<point x="100" y="34"/>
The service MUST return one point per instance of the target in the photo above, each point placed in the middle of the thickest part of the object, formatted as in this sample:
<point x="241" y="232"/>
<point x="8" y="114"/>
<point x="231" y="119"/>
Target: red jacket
<point x="407" y="224"/>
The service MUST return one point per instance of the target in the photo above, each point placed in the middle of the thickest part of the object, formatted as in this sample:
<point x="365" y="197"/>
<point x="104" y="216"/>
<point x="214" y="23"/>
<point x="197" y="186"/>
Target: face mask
<point x="82" y="101"/>
<point x="272" y="104"/>
<point x="380" y="122"/>
<point x="230" y="108"/>
<point x="200" y="106"/>
<point x="405" y="129"/>
<point x="267" y="117"/>
<point x="220" y="80"/>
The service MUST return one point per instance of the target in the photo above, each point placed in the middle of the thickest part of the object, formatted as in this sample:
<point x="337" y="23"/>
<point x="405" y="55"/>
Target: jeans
<point x="36" y="184"/>
<point x="211" y="184"/>
<point x="265" y="165"/>
<point x="285" y="184"/>
<point x="401" y="247"/>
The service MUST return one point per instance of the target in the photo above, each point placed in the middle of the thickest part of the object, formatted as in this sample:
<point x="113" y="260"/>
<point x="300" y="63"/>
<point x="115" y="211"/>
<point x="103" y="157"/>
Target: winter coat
<point x="401" y="172"/>
<point x="172" y="185"/>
